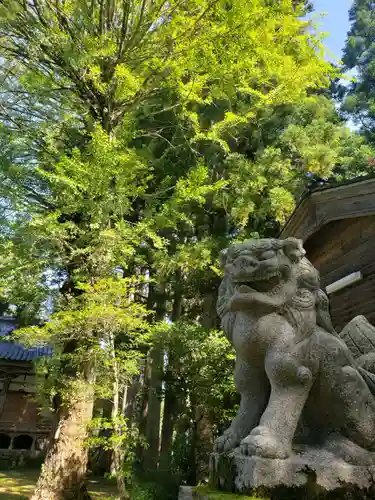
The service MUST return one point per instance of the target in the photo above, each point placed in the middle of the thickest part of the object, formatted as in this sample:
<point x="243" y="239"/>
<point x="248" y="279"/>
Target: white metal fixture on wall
<point x="344" y="282"/>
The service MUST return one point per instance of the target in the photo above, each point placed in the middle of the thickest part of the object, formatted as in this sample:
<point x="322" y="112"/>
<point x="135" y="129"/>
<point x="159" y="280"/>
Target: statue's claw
<point x="227" y="442"/>
<point x="261" y="442"/>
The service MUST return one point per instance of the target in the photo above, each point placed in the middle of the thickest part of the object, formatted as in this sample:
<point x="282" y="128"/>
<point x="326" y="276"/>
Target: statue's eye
<point x="269" y="254"/>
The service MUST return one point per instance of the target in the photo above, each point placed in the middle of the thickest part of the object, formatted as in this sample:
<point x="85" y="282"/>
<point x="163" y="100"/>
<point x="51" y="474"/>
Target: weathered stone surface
<point x="185" y="493"/>
<point x="300" y="383"/>
<point x="318" y="469"/>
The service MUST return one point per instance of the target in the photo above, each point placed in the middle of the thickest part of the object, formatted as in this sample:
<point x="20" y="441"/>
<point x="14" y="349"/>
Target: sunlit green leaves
<point x="204" y="49"/>
<point x="103" y="314"/>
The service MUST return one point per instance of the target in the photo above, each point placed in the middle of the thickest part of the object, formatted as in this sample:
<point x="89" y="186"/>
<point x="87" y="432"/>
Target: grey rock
<point x="185" y="493"/>
<point x="300" y="382"/>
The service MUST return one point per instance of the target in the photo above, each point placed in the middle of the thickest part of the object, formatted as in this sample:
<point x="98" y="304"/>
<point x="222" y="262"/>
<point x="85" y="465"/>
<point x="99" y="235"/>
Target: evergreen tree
<point x="359" y="54"/>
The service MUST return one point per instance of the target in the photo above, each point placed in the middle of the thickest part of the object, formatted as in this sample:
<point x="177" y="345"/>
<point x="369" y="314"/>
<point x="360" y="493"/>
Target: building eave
<point x="354" y="198"/>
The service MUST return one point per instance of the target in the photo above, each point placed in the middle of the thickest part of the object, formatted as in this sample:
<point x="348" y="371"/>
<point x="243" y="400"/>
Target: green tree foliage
<point x="91" y="69"/>
<point x="110" y="330"/>
<point x="139" y="137"/>
<point x="359" y="54"/>
<point x="113" y="55"/>
<point x="200" y="373"/>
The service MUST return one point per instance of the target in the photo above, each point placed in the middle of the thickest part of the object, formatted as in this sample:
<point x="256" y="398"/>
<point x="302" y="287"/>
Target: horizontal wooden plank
<point x="352" y="310"/>
<point x="358" y="259"/>
<point x="355" y="300"/>
<point x="340" y="322"/>
<point x="354" y="293"/>
<point x="342" y="316"/>
<point x="350" y="241"/>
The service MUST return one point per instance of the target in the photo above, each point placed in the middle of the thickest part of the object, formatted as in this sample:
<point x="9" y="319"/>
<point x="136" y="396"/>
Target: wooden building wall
<point x="24" y="430"/>
<point x="20" y="413"/>
<point x="339" y="248"/>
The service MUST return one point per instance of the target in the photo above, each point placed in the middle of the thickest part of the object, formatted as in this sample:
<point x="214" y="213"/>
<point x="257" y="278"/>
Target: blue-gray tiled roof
<point x="7" y="324"/>
<point x="17" y="352"/>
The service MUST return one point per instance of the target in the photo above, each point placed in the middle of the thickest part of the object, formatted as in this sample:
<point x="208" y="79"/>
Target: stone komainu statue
<point x="300" y="382"/>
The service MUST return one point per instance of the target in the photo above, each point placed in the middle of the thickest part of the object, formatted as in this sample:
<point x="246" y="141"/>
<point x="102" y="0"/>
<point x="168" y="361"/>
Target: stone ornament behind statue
<point x="301" y="384"/>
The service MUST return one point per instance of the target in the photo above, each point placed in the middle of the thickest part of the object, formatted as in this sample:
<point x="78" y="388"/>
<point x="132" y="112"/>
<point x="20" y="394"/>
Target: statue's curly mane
<point x="308" y="297"/>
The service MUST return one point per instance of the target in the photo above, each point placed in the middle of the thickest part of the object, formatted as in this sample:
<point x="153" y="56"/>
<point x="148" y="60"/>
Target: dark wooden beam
<point x="3" y="394"/>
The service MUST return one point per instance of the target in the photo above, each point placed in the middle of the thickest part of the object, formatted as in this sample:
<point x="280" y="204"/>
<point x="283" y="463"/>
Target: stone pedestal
<point x="308" y="475"/>
<point x="185" y="493"/>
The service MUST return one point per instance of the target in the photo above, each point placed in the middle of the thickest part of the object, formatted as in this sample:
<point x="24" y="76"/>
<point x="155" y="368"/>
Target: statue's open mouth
<point x="262" y="282"/>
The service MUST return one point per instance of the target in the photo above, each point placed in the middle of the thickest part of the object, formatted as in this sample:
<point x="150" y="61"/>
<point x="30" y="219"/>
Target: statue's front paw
<point x="262" y="443"/>
<point x="227" y="442"/>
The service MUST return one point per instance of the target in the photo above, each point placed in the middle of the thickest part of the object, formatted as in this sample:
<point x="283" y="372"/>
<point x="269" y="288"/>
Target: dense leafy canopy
<point x="123" y="121"/>
<point x="138" y="139"/>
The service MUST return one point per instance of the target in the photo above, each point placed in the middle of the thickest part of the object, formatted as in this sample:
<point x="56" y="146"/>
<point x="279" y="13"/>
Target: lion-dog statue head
<point x="276" y="272"/>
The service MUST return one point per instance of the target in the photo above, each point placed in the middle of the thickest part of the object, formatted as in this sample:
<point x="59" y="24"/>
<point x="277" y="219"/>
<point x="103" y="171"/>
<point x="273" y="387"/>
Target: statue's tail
<point x="359" y="336"/>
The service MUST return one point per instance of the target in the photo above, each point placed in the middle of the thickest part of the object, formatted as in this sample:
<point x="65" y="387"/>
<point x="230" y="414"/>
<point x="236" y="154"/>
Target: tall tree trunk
<point x="205" y="439"/>
<point x="143" y="413"/>
<point x="118" y="454"/>
<point x="170" y="403"/>
<point x="64" y="471"/>
<point x="100" y="458"/>
<point x="193" y="452"/>
<point x="170" y="400"/>
<point x="154" y="409"/>
<point x="63" y="476"/>
<point x="155" y="364"/>
<point x="130" y="400"/>
<point x="118" y="462"/>
<point x="209" y="317"/>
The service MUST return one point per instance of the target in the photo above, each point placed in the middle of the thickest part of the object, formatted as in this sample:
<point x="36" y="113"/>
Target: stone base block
<point x="312" y="474"/>
<point x="185" y="493"/>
